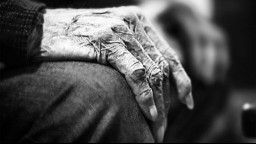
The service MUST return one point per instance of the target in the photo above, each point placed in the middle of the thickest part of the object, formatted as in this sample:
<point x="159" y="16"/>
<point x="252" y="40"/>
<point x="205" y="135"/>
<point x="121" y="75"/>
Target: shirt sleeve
<point x="18" y="20"/>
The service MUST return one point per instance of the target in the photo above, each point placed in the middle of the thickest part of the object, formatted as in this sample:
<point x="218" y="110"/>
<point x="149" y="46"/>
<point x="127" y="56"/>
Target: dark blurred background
<point x="237" y="18"/>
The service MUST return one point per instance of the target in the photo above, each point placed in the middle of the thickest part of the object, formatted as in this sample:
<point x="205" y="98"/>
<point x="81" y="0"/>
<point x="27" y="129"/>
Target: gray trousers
<point x="69" y="102"/>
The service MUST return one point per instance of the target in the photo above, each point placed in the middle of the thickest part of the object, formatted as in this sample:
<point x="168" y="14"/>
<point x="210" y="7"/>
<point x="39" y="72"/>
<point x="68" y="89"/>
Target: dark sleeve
<point x="18" y="19"/>
<point x="87" y="3"/>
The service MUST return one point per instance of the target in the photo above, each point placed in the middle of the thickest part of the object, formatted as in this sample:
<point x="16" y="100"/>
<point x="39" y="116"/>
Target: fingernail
<point x="190" y="101"/>
<point x="153" y="112"/>
<point x="160" y="134"/>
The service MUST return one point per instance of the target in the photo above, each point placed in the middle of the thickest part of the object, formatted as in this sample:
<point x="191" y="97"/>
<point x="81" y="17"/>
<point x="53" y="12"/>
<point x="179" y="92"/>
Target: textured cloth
<point x="69" y="102"/>
<point x="18" y="19"/>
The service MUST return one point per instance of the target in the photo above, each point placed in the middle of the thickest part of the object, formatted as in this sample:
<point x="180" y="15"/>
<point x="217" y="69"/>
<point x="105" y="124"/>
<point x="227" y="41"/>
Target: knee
<point x="95" y="84"/>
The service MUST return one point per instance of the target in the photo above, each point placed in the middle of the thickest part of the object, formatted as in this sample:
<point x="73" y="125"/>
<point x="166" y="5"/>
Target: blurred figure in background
<point x="221" y="88"/>
<point x="202" y="46"/>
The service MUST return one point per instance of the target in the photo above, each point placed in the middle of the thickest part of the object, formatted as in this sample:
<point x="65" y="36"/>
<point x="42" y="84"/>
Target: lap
<point x="67" y="102"/>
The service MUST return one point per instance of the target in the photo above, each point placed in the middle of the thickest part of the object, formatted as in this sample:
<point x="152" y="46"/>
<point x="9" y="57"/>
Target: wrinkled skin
<point x="123" y="38"/>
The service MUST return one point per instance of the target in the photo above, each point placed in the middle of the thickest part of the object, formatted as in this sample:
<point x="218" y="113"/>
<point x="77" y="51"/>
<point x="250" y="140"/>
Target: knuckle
<point x="139" y="74"/>
<point x="145" y="99"/>
<point x="156" y="76"/>
<point x="106" y="35"/>
<point x="120" y="27"/>
<point x="165" y="67"/>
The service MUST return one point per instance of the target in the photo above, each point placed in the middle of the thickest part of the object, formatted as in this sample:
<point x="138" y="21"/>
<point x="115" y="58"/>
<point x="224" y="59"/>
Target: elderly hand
<point x="124" y="39"/>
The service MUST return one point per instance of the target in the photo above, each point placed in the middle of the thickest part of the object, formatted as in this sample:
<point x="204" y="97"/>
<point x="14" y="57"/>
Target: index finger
<point x="183" y="82"/>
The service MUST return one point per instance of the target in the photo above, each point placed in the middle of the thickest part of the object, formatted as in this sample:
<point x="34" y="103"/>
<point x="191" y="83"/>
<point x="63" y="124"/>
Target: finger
<point x="162" y="98"/>
<point x="119" y="57"/>
<point x="134" y="46"/>
<point x="137" y="29"/>
<point x="182" y="80"/>
<point x="154" y="74"/>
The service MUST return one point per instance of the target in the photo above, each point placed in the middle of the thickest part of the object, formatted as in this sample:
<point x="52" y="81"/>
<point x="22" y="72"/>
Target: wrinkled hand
<point x="123" y="38"/>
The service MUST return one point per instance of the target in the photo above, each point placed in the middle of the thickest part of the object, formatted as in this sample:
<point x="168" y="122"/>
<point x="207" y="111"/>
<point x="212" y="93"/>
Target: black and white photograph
<point x="127" y="71"/>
